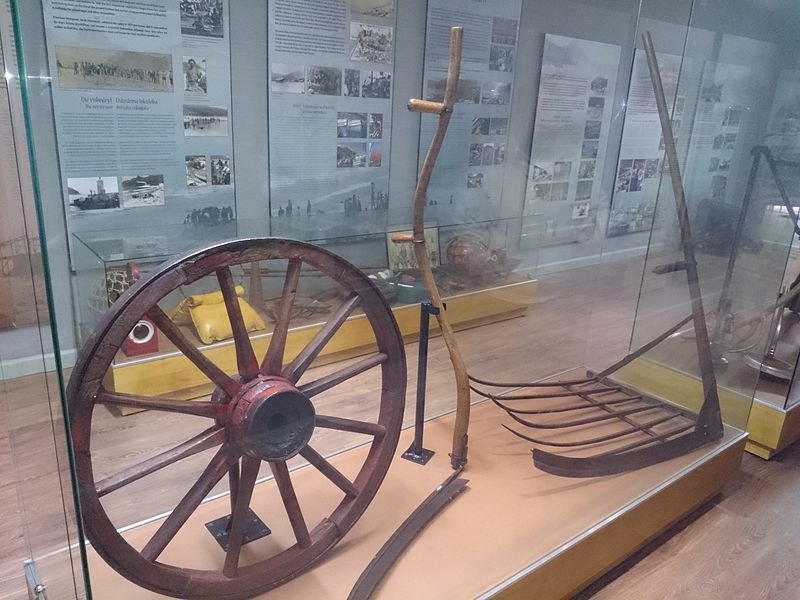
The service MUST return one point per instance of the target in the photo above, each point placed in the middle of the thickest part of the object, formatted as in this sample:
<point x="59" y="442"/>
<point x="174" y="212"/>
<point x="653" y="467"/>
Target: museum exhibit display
<point x="247" y="274"/>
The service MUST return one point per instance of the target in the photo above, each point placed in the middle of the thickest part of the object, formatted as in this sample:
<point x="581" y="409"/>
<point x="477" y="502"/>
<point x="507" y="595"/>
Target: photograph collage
<point x="330" y="81"/>
<point x="359" y="138"/>
<point x="109" y="192"/>
<point x="485" y="154"/>
<point x="723" y="145"/>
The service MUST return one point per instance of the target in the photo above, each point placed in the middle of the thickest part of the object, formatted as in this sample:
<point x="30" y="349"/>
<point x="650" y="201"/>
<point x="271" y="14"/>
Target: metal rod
<point x="709" y="417"/>
<point x="425" y="310"/>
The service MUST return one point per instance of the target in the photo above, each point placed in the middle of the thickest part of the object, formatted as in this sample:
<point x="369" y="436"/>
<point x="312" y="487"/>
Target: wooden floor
<point x="581" y="317"/>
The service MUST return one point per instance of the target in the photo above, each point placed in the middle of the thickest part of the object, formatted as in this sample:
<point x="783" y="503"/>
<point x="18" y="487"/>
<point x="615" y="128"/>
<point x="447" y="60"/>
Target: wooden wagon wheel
<point x="249" y="413"/>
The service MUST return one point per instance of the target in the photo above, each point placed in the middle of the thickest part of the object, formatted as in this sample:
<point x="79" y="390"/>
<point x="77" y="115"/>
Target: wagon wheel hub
<point x="271" y="420"/>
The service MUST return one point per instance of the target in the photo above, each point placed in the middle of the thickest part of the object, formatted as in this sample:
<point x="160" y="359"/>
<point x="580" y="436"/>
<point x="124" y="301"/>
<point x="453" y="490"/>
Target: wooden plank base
<point x="511" y="517"/>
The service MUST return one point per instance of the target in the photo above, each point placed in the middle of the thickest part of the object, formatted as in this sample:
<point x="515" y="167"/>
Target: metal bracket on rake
<point x="603" y="427"/>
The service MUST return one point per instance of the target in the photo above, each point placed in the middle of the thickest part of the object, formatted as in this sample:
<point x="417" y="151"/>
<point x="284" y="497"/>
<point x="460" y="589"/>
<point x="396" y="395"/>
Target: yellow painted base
<point x="173" y="375"/>
<point x="770" y="428"/>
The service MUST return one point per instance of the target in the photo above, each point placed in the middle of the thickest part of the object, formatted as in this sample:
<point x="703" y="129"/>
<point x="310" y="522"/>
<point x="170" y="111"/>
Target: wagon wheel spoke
<point x="296" y="519"/>
<point x="317" y="386"/>
<point x="294" y="371"/>
<point x="233" y="487"/>
<point x="341" y="424"/>
<point x="273" y="361"/>
<point x="238" y="520"/>
<point x="245" y="357"/>
<point x="215" y="470"/>
<point x="184" y="407"/>
<point x="212" y="371"/>
<point x="203" y="441"/>
<point x="323" y="466"/>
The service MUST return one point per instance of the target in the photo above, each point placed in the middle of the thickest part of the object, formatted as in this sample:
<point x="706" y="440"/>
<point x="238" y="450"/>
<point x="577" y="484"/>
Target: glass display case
<point x="234" y="275"/>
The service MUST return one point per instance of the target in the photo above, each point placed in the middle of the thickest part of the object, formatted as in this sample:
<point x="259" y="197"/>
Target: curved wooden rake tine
<point x="458" y="456"/>
<point x="657" y="445"/>
<point x="620" y="462"/>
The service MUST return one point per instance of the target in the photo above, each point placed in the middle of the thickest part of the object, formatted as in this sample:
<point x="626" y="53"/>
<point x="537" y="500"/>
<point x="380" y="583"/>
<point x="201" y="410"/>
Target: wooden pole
<point x="458" y="456"/>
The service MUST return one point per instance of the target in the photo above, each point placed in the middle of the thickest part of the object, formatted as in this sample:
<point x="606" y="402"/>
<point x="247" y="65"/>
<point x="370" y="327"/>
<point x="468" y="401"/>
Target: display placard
<point x="469" y="175"/>
<point x="142" y="104"/>
<point x="330" y="90"/>
<point x="570" y="139"/>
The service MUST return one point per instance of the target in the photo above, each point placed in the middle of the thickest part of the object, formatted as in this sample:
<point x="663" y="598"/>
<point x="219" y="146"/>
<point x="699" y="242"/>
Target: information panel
<point x="468" y="181"/>
<point x="142" y="97"/>
<point x="642" y="149"/>
<point x="330" y="90"/>
<point x="570" y="136"/>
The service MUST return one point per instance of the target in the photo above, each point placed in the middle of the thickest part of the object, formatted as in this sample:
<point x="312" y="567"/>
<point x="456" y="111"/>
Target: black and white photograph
<point x="713" y="164"/>
<point x="351" y="125"/>
<point x="594" y="109"/>
<point x="351" y="154"/>
<point x="586" y="169"/>
<point x="468" y="91"/>
<point x="598" y="86"/>
<point x="202" y="17"/>
<point x="733" y="116"/>
<point x="651" y="168"/>
<point x="196" y="172"/>
<point x="474" y="181"/>
<point x="559" y="192"/>
<point x="637" y="175"/>
<point x="504" y="31"/>
<point x="719" y="141"/>
<point x="584" y="190"/>
<point x="375" y="154"/>
<point x="194" y="75"/>
<point x="370" y="43"/>
<point x="104" y="69"/>
<point x="501" y="58"/>
<point x="730" y="141"/>
<point x="541" y="192"/>
<point x="562" y="170"/>
<point x="496" y="92"/>
<point x="202" y="120"/>
<point x="289" y="79"/>
<point x="498" y="126"/>
<point x="719" y="183"/>
<point x="591" y="131"/>
<point x="93" y="193"/>
<point x="142" y="190"/>
<point x="475" y="152"/>
<point x="624" y="174"/>
<point x="376" y="84"/>
<point x="487" y="154"/>
<point x="589" y="148"/>
<point x="542" y="171"/>
<point x="381" y="9"/>
<point x="221" y="169"/>
<point x="480" y="126"/>
<point x="376" y="126"/>
<point x="324" y="81"/>
<point x="580" y="210"/>
<point x="352" y="83"/>
<point x="500" y="154"/>
<point x="725" y="164"/>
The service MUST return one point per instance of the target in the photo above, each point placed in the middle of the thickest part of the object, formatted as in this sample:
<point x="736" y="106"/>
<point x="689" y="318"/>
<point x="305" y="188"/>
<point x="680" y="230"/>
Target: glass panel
<point x="39" y="521"/>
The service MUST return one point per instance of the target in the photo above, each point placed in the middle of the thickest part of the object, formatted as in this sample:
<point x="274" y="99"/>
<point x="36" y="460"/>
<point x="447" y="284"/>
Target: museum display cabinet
<point x="238" y="245"/>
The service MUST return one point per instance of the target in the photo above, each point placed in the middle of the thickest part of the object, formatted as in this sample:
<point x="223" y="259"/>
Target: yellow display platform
<point x="770" y="428"/>
<point x="515" y="533"/>
<point x="171" y="374"/>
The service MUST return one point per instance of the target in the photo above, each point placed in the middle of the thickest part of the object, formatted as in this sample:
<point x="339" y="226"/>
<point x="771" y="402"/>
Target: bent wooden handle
<point x="458" y="456"/>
